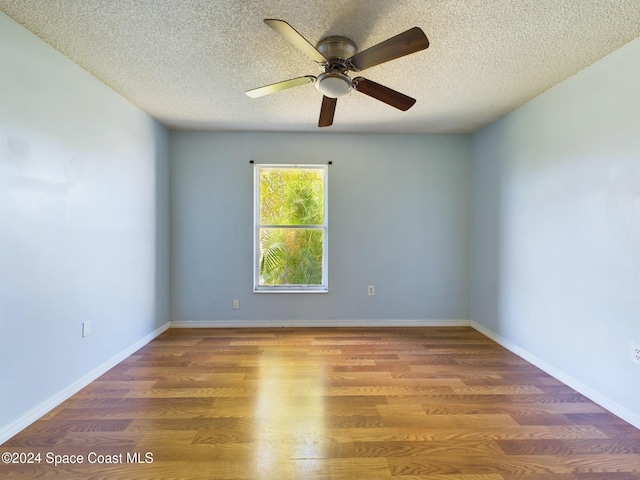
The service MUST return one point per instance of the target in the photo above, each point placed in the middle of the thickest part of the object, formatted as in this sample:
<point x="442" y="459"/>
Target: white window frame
<point x="257" y="288"/>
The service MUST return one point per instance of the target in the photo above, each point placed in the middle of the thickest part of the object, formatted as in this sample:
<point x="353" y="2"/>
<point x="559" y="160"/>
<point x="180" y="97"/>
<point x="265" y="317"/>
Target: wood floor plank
<point x="490" y="476"/>
<point x="541" y="432"/>
<point x="437" y="403"/>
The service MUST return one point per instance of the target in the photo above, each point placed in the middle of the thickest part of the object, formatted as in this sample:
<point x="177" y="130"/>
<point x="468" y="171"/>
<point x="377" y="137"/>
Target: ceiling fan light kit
<point x="336" y="55"/>
<point x="333" y="84"/>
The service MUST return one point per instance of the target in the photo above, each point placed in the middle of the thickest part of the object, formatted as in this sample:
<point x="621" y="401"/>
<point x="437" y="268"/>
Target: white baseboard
<point x="605" y="402"/>
<point x="35" y="413"/>
<point x="419" y="322"/>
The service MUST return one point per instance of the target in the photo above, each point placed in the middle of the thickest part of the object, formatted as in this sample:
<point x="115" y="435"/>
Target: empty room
<point x="323" y="240"/>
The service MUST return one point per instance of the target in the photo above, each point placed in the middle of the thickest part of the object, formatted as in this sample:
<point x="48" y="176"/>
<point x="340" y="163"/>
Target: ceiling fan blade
<point x="411" y="41"/>
<point x="292" y="36"/>
<point x="326" y="111"/>
<point x="278" y="87"/>
<point x="384" y="94"/>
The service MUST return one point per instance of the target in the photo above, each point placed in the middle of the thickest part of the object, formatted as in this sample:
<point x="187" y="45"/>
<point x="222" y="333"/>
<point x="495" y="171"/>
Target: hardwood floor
<point x="309" y="403"/>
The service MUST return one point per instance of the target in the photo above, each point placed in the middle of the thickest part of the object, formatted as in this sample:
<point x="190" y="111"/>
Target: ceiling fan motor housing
<point x="337" y="48"/>
<point x="334" y="82"/>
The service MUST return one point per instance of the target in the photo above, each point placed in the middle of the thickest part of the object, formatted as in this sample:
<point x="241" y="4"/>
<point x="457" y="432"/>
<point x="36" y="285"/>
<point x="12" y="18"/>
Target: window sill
<point x="290" y="290"/>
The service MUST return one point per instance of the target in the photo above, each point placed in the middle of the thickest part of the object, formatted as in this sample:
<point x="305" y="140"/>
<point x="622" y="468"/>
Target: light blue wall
<point x="556" y="227"/>
<point x="398" y="219"/>
<point x="83" y="222"/>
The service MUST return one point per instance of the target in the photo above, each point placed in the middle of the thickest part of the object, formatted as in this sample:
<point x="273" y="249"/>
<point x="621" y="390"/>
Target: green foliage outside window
<point x="290" y="200"/>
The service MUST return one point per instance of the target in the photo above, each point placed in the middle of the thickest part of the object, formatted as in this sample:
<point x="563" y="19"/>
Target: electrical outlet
<point x="86" y="328"/>
<point x="371" y="290"/>
<point x="236" y="304"/>
<point x="635" y="353"/>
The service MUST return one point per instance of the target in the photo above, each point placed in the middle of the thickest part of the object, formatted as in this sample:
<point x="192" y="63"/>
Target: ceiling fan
<point x="336" y="55"/>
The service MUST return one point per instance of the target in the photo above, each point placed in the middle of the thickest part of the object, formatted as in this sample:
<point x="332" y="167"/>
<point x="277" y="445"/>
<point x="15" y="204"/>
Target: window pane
<point x="291" y="196"/>
<point x="291" y="256"/>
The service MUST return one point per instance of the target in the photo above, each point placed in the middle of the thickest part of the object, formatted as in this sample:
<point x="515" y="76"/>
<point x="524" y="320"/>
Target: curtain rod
<point x="253" y="161"/>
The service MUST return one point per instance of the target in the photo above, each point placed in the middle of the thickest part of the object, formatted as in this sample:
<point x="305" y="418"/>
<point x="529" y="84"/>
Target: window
<point x="290" y="239"/>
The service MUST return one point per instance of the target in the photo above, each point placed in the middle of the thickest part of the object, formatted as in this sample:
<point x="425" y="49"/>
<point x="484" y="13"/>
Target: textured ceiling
<point x="188" y="62"/>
